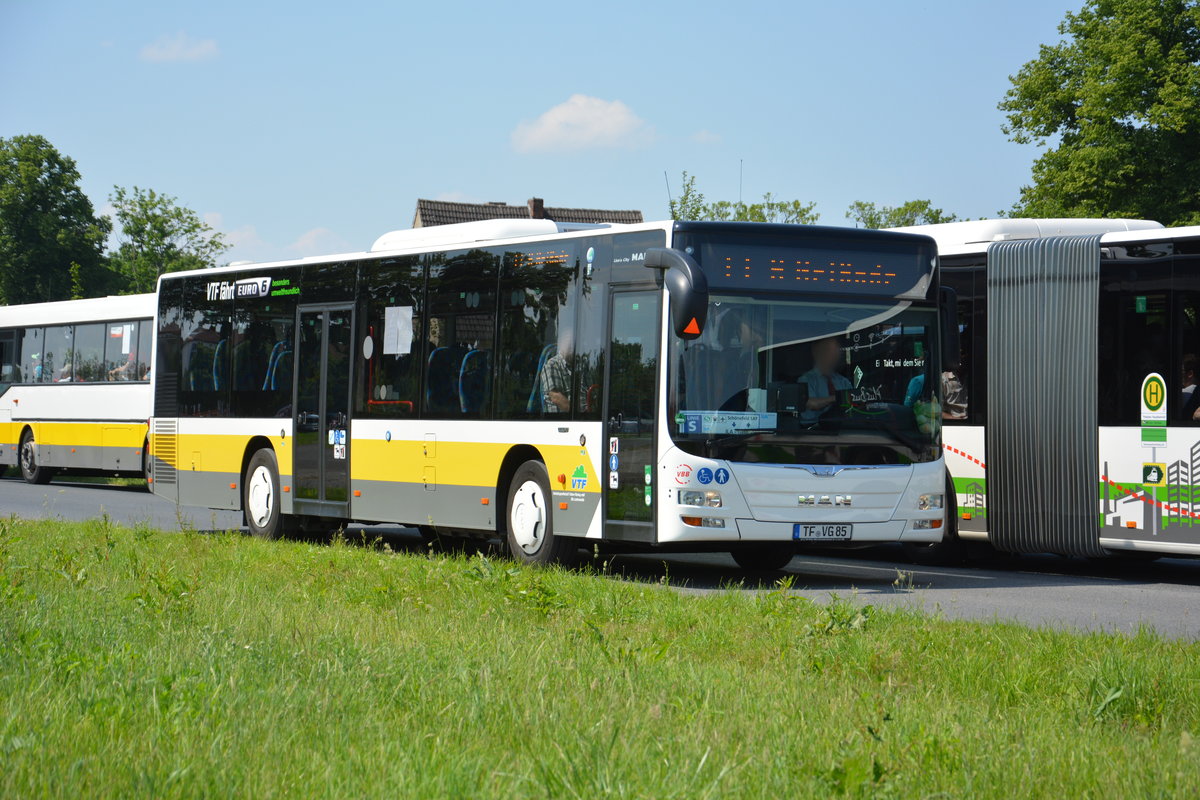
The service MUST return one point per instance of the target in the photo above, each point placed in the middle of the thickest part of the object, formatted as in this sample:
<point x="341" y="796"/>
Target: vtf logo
<point x="228" y="290"/>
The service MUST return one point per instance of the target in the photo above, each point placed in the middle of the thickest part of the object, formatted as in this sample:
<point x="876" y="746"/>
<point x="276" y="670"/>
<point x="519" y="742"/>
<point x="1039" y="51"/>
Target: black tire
<point x="30" y="470"/>
<point x="529" y="519"/>
<point x="146" y="476"/>
<point x="260" y="495"/>
<point x="770" y="557"/>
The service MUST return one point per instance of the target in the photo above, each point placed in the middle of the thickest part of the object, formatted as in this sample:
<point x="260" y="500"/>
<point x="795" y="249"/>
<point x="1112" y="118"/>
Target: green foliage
<point x="1119" y="100"/>
<point x="691" y="206"/>
<point x="913" y="212"/>
<point x="51" y="241"/>
<point x="157" y="236"/>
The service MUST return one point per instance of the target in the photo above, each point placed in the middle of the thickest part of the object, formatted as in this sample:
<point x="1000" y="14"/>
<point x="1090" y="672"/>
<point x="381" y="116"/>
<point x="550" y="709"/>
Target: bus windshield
<point x="824" y="381"/>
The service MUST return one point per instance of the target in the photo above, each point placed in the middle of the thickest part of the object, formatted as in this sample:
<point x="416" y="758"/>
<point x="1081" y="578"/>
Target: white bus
<point x="683" y="386"/>
<point x="1080" y="433"/>
<point x="74" y="386"/>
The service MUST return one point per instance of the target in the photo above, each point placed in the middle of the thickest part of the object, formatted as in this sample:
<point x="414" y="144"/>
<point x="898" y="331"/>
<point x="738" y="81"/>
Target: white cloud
<point x="318" y="242"/>
<point x="179" y="47"/>
<point x="706" y="137"/>
<point x="581" y="123"/>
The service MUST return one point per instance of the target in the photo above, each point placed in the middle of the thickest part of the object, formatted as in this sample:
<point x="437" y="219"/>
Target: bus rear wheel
<point x="764" y="557"/>
<point x="30" y="471"/>
<point x="260" y="495"/>
<point x="529" y="519"/>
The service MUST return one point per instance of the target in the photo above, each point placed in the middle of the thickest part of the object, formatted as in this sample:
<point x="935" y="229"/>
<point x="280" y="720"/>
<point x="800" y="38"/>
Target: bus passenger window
<point x="536" y="332"/>
<point x="121" y="351"/>
<point x="56" y="364"/>
<point x="88" y="363"/>
<point x="391" y="375"/>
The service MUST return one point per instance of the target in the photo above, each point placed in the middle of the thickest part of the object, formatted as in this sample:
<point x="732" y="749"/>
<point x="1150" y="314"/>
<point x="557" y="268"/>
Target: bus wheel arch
<point x="513" y="460"/>
<point x="261" y="500"/>
<point x="28" y="462"/>
<point x="529" y="519"/>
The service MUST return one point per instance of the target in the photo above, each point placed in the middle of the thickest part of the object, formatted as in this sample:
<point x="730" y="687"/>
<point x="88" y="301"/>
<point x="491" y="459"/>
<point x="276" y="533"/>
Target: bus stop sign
<point x="1154" y="411"/>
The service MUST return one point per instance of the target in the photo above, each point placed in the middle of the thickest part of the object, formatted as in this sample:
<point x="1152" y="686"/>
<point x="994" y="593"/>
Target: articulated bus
<point x="75" y="386"/>
<point x="682" y="386"/>
<point x="1080" y="429"/>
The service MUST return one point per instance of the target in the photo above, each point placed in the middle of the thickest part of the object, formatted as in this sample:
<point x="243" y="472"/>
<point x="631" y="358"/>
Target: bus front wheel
<point x="529" y="519"/>
<point x="260" y="495"/>
<point x="764" y="557"/>
<point x="30" y="471"/>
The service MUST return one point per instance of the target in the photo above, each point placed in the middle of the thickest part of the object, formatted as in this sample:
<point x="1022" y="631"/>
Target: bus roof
<point x="961" y="238"/>
<point x="66" y="312"/>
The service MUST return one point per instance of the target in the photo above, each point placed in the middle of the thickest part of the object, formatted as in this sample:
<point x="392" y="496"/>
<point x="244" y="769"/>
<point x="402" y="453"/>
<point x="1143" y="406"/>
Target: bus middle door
<point x="321" y="455"/>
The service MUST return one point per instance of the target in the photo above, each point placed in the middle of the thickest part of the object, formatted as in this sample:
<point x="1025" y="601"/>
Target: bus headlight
<point x="931" y="502"/>
<point x="708" y="499"/>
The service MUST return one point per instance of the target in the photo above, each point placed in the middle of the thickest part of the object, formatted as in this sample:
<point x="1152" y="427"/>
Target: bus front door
<point x="631" y="384"/>
<point x="321" y="454"/>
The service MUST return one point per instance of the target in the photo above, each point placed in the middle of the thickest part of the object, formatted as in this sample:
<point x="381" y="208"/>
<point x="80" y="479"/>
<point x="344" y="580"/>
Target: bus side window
<point x="536" y="331"/>
<point x="9" y="360"/>
<point x="56" y="355"/>
<point x="462" y="320"/>
<point x="89" y="352"/>
<point x="32" y="366"/>
<point x="1184" y="406"/>
<point x="391" y="375"/>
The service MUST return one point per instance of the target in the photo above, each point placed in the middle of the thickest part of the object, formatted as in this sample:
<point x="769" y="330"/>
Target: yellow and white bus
<point x="688" y="386"/>
<point x="75" y="386"/>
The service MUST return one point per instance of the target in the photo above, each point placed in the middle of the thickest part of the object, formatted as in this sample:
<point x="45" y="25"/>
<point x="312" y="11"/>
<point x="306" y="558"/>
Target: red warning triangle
<point x="692" y="328"/>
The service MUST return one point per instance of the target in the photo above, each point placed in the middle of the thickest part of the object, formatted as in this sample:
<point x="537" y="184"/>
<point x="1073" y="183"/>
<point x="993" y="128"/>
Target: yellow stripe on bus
<point x="401" y="461"/>
<point x="86" y="434"/>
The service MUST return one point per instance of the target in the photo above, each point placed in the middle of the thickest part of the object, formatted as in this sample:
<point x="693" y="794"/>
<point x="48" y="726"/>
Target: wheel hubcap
<point x="260" y="499"/>
<point x="27" y="461"/>
<point x="528" y="518"/>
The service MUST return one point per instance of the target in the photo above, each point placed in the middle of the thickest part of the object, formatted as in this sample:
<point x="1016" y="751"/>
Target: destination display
<point x="888" y="269"/>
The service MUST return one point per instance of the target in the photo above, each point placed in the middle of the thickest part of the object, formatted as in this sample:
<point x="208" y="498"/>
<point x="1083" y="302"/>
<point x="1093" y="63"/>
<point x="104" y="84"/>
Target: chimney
<point x="537" y="208"/>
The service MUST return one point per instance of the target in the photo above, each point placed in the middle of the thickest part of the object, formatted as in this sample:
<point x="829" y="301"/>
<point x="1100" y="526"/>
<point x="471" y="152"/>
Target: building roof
<point x="441" y="212"/>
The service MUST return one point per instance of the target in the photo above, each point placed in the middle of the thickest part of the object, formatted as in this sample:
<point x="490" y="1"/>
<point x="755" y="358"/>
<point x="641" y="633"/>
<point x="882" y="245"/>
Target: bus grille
<point x="164" y="448"/>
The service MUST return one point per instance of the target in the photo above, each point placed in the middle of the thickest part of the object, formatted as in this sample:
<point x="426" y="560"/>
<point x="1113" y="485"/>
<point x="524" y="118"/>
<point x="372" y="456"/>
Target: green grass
<point x="142" y="663"/>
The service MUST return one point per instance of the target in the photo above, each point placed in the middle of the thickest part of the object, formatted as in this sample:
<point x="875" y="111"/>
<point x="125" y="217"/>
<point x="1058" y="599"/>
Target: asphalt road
<point x="1034" y="590"/>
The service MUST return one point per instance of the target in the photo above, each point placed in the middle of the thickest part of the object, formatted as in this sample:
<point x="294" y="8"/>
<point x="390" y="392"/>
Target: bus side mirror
<point x="948" y="317"/>
<point x="687" y="287"/>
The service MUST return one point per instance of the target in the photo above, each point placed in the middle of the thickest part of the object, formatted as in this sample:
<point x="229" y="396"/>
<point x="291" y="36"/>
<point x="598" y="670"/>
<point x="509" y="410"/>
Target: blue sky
<point x="298" y="129"/>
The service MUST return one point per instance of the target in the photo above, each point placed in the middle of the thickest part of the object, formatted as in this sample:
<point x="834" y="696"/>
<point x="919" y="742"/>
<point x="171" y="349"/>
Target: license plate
<point x="809" y="533"/>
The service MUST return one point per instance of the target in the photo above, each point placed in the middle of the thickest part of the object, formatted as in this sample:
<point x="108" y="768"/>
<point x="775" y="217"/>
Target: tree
<point x="1120" y="98"/>
<point x="157" y="236"/>
<point x="691" y="206"/>
<point x="51" y="241"/>
<point x="914" y="212"/>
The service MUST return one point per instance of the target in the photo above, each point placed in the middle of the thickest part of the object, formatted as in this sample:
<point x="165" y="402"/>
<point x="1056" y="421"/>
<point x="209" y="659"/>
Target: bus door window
<point x="1184" y="405"/>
